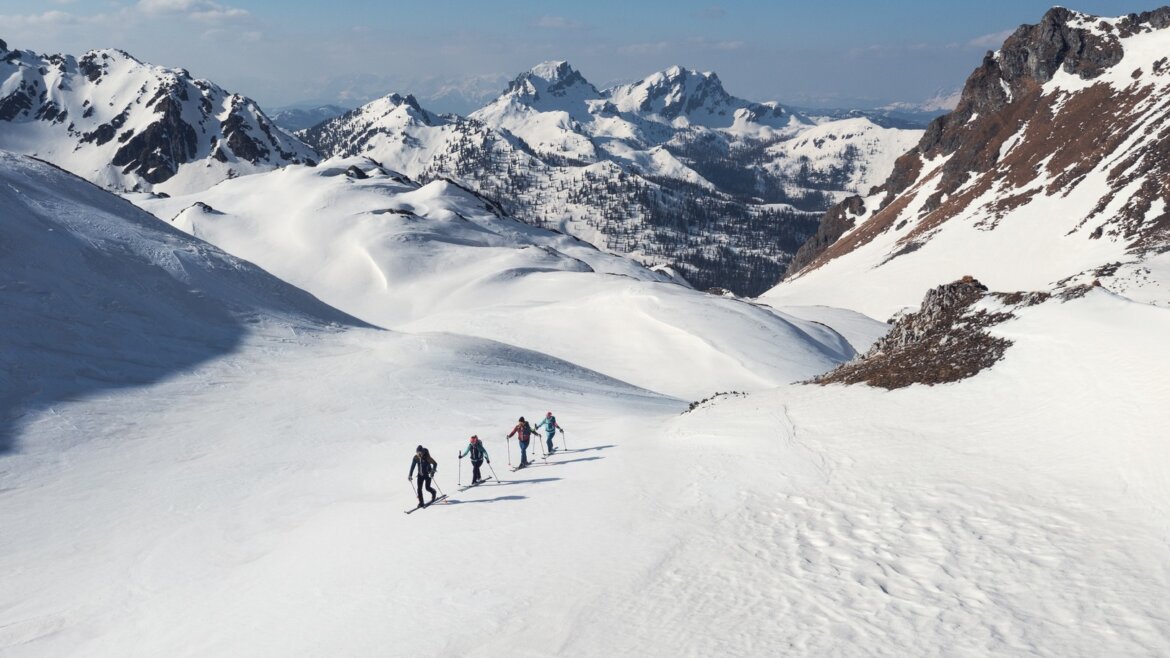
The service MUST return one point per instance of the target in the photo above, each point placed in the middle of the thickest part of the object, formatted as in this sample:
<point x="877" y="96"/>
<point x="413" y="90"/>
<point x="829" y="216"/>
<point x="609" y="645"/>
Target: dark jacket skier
<point x="478" y="453"/>
<point x="523" y="432"/>
<point x="426" y="466"/>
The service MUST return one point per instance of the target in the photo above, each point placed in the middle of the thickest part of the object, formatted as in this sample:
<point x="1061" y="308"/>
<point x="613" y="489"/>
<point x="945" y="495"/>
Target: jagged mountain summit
<point x="671" y="170"/>
<point x="127" y="125"/>
<point x="1051" y="172"/>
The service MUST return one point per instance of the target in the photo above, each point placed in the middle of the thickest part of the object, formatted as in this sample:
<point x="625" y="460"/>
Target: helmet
<point x="419" y="449"/>
<point x="522" y="419"/>
<point x="474" y="438"/>
<point x="549" y="414"/>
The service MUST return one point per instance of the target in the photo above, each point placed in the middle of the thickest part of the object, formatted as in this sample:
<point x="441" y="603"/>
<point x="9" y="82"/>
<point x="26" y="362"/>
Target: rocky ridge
<point x="1028" y="125"/>
<point x="127" y="125"/>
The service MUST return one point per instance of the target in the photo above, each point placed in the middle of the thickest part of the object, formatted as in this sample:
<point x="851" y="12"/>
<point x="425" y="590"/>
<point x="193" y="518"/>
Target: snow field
<point x="234" y="511"/>
<point x="434" y="258"/>
<point x="1023" y="512"/>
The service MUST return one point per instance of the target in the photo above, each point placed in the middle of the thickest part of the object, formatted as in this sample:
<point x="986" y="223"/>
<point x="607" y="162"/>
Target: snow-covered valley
<point x="209" y="401"/>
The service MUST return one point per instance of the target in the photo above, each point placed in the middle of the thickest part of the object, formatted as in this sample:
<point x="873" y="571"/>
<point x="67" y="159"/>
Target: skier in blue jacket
<point x="478" y="453"/>
<point x="550" y="427"/>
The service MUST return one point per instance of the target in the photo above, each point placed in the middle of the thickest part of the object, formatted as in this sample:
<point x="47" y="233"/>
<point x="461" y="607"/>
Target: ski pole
<point x="460" y="483"/>
<point x="494" y="473"/>
<point x="563" y="441"/>
<point x="508" y="440"/>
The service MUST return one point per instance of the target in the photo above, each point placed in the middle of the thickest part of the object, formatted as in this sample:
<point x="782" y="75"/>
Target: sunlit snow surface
<point x="437" y="258"/>
<point x="250" y="503"/>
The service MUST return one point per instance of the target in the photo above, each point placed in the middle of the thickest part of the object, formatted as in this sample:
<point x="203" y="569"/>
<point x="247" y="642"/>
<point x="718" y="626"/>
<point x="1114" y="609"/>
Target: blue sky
<point x="825" y="53"/>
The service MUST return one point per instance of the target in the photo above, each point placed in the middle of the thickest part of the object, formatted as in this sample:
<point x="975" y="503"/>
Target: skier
<point x="550" y="427"/>
<point x="478" y="454"/>
<point x="426" y="470"/>
<point x="523" y="432"/>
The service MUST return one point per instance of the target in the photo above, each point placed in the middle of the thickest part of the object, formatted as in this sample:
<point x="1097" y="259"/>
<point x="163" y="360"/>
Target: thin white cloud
<point x="557" y="23"/>
<point x="646" y="48"/>
<point x="990" y="41"/>
<point x="52" y="18"/>
<point x="199" y="10"/>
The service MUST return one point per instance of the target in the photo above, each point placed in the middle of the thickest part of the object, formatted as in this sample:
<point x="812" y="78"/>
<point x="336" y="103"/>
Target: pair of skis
<point x="466" y="487"/>
<point x="426" y="505"/>
<point x="444" y="496"/>
<point x="543" y="461"/>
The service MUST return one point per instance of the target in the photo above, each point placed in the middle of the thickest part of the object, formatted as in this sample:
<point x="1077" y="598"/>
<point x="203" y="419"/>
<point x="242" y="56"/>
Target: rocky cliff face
<point x="1067" y="127"/>
<point x="127" y="125"/>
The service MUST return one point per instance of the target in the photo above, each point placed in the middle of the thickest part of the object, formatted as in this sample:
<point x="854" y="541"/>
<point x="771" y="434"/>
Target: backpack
<point x="427" y="464"/>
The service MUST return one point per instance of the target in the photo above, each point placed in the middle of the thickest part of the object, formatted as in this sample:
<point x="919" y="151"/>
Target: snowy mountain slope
<point x="1021" y="512"/>
<point x="177" y="442"/>
<point x="248" y="506"/>
<point x="99" y="295"/>
<point x="875" y="149"/>
<point x="439" y="258"/>
<point x="1027" y="185"/>
<point x="672" y="170"/>
<point x="123" y="124"/>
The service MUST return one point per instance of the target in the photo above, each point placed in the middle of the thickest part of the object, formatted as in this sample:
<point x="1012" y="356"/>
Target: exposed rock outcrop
<point x="944" y="341"/>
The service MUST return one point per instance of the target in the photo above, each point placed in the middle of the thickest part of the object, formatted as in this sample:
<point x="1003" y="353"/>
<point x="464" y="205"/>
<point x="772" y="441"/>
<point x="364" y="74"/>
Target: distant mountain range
<point x="293" y="117"/>
<point x="671" y="169"/>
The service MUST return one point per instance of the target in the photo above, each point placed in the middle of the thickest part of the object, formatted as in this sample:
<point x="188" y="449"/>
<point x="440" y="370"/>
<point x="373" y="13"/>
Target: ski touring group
<point x="423" y="466"/>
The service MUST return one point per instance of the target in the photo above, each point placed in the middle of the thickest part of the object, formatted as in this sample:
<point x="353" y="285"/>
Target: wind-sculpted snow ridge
<point x="99" y="295"/>
<point x="1051" y="171"/>
<point x="126" y="125"/>
<point x="438" y="257"/>
<point x="672" y="170"/>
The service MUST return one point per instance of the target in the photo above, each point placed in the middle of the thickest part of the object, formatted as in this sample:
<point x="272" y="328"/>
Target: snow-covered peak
<point x="395" y="104"/>
<point x="553" y="70"/>
<point x="677" y="92"/>
<point x="549" y="86"/>
<point x="124" y="124"/>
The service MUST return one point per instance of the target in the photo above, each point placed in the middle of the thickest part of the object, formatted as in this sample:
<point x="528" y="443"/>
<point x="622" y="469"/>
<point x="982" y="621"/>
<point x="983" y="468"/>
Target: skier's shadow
<point x="486" y="500"/>
<point x="604" y="447"/>
<point x="531" y="481"/>
<point x="578" y="459"/>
